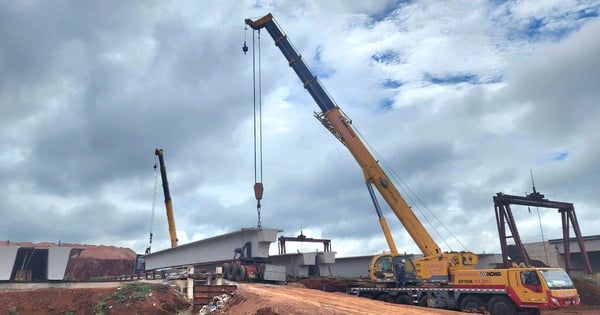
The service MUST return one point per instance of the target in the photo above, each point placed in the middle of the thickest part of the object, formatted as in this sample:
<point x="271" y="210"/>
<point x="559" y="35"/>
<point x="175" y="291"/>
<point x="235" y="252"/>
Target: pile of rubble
<point x="217" y="305"/>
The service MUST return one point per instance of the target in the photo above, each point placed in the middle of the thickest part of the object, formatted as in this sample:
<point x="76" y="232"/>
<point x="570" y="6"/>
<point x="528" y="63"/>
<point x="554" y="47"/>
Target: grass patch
<point x="100" y="308"/>
<point x="132" y="291"/>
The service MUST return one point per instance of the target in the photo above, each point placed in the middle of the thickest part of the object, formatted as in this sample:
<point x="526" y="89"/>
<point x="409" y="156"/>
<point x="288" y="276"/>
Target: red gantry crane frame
<point x="505" y="217"/>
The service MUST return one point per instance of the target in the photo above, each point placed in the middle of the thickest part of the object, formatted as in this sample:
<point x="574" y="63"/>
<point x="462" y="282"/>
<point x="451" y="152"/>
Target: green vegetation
<point x="101" y="278"/>
<point x="136" y="290"/>
<point x="68" y="277"/>
<point x="100" y="308"/>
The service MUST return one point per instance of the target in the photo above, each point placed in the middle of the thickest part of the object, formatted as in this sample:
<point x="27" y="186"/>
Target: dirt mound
<point x="589" y="289"/>
<point x="132" y="298"/>
<point x="91" y="269"/>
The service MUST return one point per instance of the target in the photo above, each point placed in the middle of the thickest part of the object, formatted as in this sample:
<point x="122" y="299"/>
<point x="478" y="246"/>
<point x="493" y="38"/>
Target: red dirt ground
<point x="307" y="297"/>
<point x="132" y="298"/>
<point x="250" y="299"/>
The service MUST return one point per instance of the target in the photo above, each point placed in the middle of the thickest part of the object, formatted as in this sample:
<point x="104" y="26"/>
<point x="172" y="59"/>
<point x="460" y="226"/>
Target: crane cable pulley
<point x="257" y="100"/>
<point x="149" y="249"/>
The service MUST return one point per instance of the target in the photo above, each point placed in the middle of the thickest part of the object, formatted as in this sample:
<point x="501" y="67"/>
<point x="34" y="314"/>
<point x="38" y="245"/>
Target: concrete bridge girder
<point x="214" y="249"/>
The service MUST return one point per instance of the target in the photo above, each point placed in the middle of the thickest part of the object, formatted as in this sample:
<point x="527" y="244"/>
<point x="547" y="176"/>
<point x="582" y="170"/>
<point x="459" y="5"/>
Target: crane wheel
<point x="232" y="268"/>
<point x="367" y="295"/>
<point x="225" y="271"/>
<point x="426" y="301"/>
<point x="386" y="298"/>
<point x="403" y="299"/>
<point x="228" y="270"/>
<point x="472" y="303"/>
<point x="501" y="305"/>
<point x="239" y="273"/>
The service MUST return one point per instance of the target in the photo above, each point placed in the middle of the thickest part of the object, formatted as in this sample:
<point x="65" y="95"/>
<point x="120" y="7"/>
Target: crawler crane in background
<point x="441" y="279"/>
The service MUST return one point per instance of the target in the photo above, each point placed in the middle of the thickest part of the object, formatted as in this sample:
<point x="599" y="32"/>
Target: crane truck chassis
<point x="244" y="267"/>
<point x="442" y="279"/>
<point x="499" y="291"/>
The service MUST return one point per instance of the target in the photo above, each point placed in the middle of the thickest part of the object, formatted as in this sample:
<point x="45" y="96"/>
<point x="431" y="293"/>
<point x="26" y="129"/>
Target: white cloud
<point x="462" y="99"/>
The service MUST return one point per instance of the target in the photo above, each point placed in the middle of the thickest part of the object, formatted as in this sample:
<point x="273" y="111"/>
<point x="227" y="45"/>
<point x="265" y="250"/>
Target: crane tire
<point x="403" y="299"/>
<point x="472" y="303"/>
<point x="244" y="273"/>
<point x="501" y="305"/>
<point x="423" y="301"/>
<point x="367" y="295"/>
<point x="386" y="298"/>
<point x="227" y="271"/>
<point x="239" y="273"/>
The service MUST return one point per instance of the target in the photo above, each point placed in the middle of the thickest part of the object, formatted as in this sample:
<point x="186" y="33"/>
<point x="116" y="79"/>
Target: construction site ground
<point x="307" y="296"/>
<point x="249" y="299"/>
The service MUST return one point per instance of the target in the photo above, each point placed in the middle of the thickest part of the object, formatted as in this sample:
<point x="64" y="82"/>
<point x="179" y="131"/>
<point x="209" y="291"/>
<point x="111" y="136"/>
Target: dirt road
<point x="261" y="299"/>
<point x="295" y="299"/>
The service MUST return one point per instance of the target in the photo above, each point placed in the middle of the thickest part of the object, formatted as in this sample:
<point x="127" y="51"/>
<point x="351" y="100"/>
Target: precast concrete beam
<point x="58" y="258"/>
<point x="299" y="264"/>
<point x="324" y="261"/>
<point x="351" y="267"/>
<point x="295" y="263"/>
<point x="8" y="255"/>
<point x="326" y="257"/>
<point x="218" y="248"/>
<point x="307" y="259"/>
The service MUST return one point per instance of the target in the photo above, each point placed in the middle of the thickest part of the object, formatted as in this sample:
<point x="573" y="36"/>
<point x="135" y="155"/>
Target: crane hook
<point x="245" y="48"/>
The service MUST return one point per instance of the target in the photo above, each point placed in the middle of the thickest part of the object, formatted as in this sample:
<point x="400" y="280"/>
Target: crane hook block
<point x="245" y="48"/>
<point x="258" y="191"/>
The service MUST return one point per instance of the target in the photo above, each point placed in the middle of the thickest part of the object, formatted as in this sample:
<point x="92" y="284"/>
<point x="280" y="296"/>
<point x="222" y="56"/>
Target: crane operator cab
<point x="384" y="270"/>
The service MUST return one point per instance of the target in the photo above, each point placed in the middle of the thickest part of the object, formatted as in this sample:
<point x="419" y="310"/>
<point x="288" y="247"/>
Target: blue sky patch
<point x="534" y="26"/>
<point x="392" y="84"/>
<point x="560" y="156"/>
<point x="320" y="68"/>
<point x="388" y="10"/>
<point x="553" y="26"/>
<point x="587" y="13"/>
<point x="387" y="57"/>
<point x="387" y="103"/>
<point x="453" y="78"/>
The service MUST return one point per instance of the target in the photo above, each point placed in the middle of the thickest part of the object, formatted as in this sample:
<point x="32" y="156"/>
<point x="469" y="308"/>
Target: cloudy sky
<point x="460" y="99"/>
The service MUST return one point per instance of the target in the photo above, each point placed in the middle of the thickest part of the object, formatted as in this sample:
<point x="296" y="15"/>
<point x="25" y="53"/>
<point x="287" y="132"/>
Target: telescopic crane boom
<point x="458" y="285"/>
<point x="168" y="203"/>
<point x="332" y="117"/>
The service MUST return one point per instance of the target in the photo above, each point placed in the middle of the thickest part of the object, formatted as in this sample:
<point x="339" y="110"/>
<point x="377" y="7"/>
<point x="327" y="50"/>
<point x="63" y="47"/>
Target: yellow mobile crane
<point x="453" y="281"/>
<point x="167" y="193"/>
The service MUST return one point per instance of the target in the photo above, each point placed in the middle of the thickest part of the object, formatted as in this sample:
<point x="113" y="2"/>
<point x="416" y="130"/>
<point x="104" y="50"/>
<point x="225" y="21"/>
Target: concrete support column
<point x="190" y="283"/>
